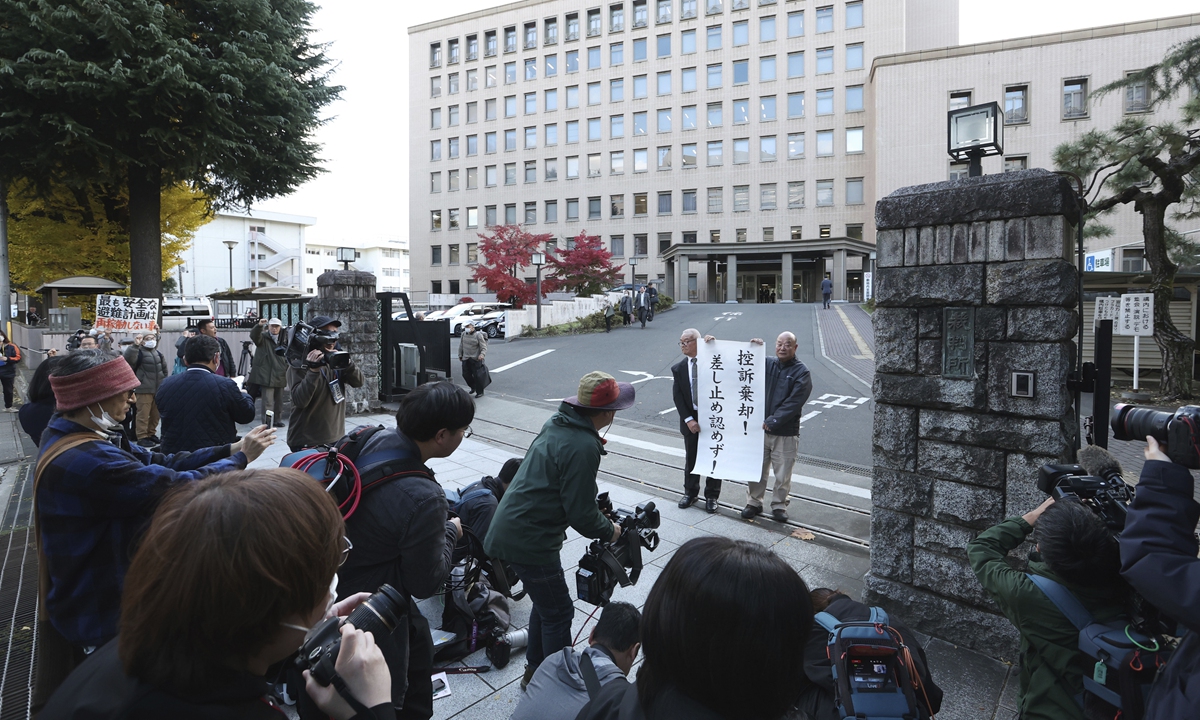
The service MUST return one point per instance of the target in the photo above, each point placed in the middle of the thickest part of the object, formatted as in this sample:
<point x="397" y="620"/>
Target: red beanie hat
<point x="101" y="382"/>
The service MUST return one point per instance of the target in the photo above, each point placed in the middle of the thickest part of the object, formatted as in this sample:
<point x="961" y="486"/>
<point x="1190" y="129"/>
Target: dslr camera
<point x="378" y="615"/>
<point x="603" y="565"/>
<point x="1180" y="430"/>
<point x="305" y="339"/>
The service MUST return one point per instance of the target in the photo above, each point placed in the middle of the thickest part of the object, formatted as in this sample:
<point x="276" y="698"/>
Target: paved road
<point x="838" y="417"/>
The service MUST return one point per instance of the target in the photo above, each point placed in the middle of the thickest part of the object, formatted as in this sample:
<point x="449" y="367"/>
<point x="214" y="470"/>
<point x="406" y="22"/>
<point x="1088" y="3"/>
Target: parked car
<point x="467" y="312"/>
<point x="179" y="311"/>
<point x="493" y="324"/>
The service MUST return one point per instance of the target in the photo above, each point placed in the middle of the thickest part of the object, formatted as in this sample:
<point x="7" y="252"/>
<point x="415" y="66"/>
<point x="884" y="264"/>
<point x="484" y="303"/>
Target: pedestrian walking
<point x="627" y="307"/>
<point x="826" y="290"/>
<point x="641" y="304"/>
<point x="687" y="405"/>
<point x="10" y="355"/>
<point x="653" y="294"/>
<point x="608" y="315"/>
<point x="472" y="349"/>
<point x="150" y="367"/>
<point x="268" y="370"/>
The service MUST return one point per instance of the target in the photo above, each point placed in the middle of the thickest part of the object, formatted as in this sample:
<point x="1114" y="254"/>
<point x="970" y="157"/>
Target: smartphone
<point x="270" y="418"/>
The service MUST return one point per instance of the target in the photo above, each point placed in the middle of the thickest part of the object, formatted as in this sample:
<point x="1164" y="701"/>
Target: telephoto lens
<point x="378" y="615"/>
<point x="1131" y="422"/>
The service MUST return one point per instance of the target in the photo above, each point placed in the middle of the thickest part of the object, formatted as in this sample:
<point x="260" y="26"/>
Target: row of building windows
<point x="768" y="198"/>
<point x="713" y="73"/>
<point x="1074" y="100"/>
<point x="470" y="49"/>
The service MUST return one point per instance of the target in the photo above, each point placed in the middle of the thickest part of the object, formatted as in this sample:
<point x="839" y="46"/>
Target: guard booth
<point x="287" y="304"/>
<point x="412" y="352"/>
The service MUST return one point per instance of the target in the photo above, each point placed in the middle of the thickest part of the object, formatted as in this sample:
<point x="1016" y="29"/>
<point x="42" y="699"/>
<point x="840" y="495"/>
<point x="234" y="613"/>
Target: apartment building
<point x="1045" y="86"/>
<point x="244" y="250"/>
<point x="384" y="257"/>
<point x="721" y="143"/>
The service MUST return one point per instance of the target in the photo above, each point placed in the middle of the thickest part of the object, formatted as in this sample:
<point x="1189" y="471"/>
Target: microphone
<point x="1101" y="463"/>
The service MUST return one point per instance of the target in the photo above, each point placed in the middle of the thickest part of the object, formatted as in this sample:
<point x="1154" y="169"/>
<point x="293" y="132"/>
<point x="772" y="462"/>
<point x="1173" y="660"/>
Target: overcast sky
<point x="364" y="194"/>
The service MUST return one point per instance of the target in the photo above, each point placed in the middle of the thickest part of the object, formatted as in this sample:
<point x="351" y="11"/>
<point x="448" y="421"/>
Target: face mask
<point x="150" y="344"/>
<point x="105" y="422"/>
<point x="328" y="607"/>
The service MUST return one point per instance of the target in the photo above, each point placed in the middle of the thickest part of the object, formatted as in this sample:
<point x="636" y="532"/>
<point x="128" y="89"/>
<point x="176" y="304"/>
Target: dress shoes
<point x="750" y="511"/>
<point x="686" y="501"/>
<point x="710" y="505"/>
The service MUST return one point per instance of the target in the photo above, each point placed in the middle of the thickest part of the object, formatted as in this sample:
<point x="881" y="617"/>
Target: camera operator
<point x="319" y="392"/>
<point x="559" y="688"/>
<point x="1076" y="549"/>
<point x="401" y="535"/>
<point x="1158" y="557"/>
<point x="555" y="489"/>
<point x="200" y="408"/>
<point x="233" y="571"/>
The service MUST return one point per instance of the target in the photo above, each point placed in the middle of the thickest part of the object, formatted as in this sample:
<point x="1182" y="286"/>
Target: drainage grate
<point x="861" y="470"/>
<point x="18" y="594"/>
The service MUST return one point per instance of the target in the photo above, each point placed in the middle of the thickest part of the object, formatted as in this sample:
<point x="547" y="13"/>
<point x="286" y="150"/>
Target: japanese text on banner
<point x="126" y="314"/>
<point x="730" y="389"/>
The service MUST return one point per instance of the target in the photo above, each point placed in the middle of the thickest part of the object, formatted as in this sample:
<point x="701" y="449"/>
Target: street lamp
<point x="974" y="133"/>
<point x="633" y="270"/>
<point x="345" y="256"/>
<point x="231" y="244"/>
<point x="538" y="260"/>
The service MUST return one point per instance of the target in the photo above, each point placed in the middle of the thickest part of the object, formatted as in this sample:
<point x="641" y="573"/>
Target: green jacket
<point x="555" y="488"/>
<point x="1052" y="667"/>
<point x="268" y="369"/>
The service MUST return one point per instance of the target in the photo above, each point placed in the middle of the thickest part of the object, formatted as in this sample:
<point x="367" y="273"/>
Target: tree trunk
<point x="145" y="232"/>
<point x="5" y="286"/>
<point x="1178" y="350"/>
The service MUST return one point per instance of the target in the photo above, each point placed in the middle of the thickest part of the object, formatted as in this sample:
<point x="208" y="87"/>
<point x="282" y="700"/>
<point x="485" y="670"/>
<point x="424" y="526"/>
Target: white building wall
<point x="386" y="257"/>
<point x="910" y="97"/>
<point x="280" y="244"/>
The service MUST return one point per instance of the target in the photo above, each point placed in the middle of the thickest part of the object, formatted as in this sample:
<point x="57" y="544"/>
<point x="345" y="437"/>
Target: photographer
<point x="401" y="533"/>
<point x="559" y="688"/>
<point x="200" y="408"/>
<point x="1076" y="549"/>
<point x="1158" y="557"/>
<point x="268" y="370"/>
<point x="556" y="489"/>
<point x="233" y="571"/>
<point x="318" y="392"/>
<point x="477" y="506"/>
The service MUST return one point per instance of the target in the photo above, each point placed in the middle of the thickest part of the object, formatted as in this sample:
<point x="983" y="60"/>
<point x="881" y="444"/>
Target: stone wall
<point x="349" y="296"/>
<point x="955" y="455"/>
<point x="556" y="312"/>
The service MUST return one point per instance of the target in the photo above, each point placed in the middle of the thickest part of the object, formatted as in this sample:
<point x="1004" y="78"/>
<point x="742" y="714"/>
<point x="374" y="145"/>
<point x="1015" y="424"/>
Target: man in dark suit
<point x="683" y="391"/>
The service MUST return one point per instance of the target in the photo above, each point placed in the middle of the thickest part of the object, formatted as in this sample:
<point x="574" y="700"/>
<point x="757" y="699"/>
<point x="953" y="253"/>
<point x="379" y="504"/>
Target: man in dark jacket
<point x="683" y="392"/>
<point x="200" y="408"/>
<point x="1075" y="549"/>
<point x="1158" y="557"/>
<point x="477" y="505"/>
<point x="556" y="489"/>
<point x="319" y="393"/>
<point x="225" y="367"/>
<point x="627" y="307"/>
<point x="150" y="367"/>
<point x="788" y="385"/>
<point x="402" y="535"/>
<point x="268" y="370"/>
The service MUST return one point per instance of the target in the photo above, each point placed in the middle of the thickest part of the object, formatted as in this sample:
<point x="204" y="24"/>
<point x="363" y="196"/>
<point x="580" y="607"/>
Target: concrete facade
<point x="910" y="94"/>
<point x="269" y="252"/>
<point x="562" y="128"/>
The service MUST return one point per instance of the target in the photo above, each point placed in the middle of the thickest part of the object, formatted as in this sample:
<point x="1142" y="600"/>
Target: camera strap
<point x="590" y="679"/>
<point x="359" y="709"/>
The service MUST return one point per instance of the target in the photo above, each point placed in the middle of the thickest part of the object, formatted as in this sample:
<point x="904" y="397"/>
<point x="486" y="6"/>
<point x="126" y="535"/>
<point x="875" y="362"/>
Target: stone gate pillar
<point x="349" y="296"/>
<point x="974" y="283"/>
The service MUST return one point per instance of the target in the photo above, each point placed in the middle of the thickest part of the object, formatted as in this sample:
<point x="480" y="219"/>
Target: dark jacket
<point x="1158" y="557"/>
<point x="554" y="489"/>
<point x="268" y="369"/>
<point x="11" y="357"/>
<point x="99" y="689"/>
<point x="34" y="417"/>
<point x="826" y="286"/>
<point x="1052" y="668"/>
<point x="93" y="503"/>
<point x="150" y="367"/>
<point x="227" y="368"/>
<point x="179" y="346"/>
<point x="476" y="513"/>
<point x="788" y="386"/>
<point x="681" y="393"/>
<point x="818" y="698"/>
<point x="619" y="701"/>
<point x="200" y="409"/>
<point x="627" y="304"/>
<point x="316" y="418"/>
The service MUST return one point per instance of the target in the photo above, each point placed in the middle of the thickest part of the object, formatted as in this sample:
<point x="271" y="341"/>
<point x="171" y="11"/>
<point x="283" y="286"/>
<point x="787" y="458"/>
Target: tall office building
<point x="723" y="143"/>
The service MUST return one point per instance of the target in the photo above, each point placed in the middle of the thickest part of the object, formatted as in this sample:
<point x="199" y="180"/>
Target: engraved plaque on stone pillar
<point x="958" y="342"/>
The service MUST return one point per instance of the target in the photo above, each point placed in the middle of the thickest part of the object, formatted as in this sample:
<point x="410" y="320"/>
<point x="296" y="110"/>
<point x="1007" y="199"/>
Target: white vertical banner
<point x="730" y="392"/>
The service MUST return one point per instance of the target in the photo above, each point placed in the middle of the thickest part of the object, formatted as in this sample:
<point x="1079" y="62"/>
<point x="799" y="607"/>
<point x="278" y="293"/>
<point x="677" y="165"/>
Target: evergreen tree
<point x="143" y="94"/>
<point x="1153" y="166"/>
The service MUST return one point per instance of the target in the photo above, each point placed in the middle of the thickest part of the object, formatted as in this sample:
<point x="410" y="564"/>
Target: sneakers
<point x="779" y="515"/>
<point x="529" y="671"/>
<point x="750" y="511"/>
<point x="686" y="501"/>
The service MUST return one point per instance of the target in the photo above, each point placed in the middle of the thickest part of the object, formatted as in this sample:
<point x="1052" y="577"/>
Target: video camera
<point x="1179" y="431"/>
<point x="378" y="615"/>
<point x="305" y="339"/>
<point x="603" y="565"/>
<point x="1108" y="497"/>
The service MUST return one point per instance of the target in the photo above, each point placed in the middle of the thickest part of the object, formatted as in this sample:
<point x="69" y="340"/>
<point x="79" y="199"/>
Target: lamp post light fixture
<point x="231" y="244"/>
<point x="633" y="261"/>
<point x="538" y="260"/>
<point x="974" y="133"/>
<point x="346" y="256"/>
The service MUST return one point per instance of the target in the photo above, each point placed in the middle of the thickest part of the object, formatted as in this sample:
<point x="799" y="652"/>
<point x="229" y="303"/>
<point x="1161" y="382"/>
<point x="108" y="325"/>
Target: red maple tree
<point x="585" y="269"/>
<point x="502" y="252"/>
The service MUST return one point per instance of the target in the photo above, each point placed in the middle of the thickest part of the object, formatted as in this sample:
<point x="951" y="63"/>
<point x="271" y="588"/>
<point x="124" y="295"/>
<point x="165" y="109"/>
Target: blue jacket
<point x="1158" y="557"/>
<point x="199" y="409"/>
<point x="93" y="503"/>
<point x="788" y="386"/>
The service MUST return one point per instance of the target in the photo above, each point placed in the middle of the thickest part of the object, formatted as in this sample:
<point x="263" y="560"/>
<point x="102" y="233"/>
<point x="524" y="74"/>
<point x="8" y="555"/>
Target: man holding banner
<point x="685" y="392"/>
<point x="788" y="385"/>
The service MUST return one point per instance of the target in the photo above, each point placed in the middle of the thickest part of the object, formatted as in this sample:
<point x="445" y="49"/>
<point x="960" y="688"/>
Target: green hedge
<point x="591" y="323"/>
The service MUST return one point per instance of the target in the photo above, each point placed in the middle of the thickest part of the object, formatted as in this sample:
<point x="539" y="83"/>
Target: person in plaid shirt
<point x="94" y="500"/>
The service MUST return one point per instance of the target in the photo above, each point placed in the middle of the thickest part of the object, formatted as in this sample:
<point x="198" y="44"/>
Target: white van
<point x="179" y="311"/>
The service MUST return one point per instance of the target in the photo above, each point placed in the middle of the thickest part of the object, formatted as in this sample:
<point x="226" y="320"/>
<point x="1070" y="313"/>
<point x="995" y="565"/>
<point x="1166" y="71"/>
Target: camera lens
<point x="1135" y="423"/>
<point x="379" y="613"/>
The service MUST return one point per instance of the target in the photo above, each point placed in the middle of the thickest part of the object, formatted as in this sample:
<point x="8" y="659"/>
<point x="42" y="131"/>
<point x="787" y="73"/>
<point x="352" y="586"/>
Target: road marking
<point x="851" y="490"/>
<point x="809" y="416"/>
<point x="668" y="410"/>
<point x="860" y="401"/>
<point x="829" y="400"/>
<point x="648" y="376"/>
<point x="858" y="339"/>
<point x="522" y="361"/>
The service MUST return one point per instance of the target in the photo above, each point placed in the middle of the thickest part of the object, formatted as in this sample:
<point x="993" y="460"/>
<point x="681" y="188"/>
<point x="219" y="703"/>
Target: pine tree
<point x="585" y="269"/>
<point x="143" y="94"/>
<point x="1153" y="166"/>
<point x="502" y="252"/>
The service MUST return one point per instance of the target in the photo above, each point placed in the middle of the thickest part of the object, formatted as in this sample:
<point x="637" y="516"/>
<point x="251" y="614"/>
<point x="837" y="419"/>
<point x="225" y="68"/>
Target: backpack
<point x="873" y="672"/>
<point x="476" y="614"/>
<point x="1126" y="660"/>
<point x="347" y="474"/>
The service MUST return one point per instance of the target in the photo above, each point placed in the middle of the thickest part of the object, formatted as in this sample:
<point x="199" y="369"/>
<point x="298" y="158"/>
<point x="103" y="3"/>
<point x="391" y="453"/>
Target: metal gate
<point x="411" y="352"/>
